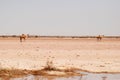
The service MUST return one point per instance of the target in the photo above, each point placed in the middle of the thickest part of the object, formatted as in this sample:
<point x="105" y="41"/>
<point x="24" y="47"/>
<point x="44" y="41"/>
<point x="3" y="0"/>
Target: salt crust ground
<point x="87" y="54"/>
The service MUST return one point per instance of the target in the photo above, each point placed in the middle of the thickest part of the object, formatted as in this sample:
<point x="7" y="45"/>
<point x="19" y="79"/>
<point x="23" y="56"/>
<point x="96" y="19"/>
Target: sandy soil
<point x="87" y="54"/>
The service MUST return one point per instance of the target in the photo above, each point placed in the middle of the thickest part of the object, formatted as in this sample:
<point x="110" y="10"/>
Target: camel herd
<point x="23" y="37"/>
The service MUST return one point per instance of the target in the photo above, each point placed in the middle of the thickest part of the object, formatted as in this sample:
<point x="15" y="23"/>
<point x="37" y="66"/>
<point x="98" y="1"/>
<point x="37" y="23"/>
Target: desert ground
<point x="82" y="53"/>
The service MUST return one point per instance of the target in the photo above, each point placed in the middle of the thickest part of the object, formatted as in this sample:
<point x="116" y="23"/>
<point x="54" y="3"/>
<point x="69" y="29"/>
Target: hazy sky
<point x="60" y="17"/>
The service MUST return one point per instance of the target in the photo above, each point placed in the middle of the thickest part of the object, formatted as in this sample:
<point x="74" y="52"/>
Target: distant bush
<point x="36" y="36"/>
<point x="14" y="36"/>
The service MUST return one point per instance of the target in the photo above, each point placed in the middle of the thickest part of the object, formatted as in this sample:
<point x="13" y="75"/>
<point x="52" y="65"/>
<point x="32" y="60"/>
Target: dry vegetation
<point x="48" y="70"/>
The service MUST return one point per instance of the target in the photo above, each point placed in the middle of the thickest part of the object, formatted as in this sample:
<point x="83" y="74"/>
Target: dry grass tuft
<point x="7" y="73"/>
<point x="71" y="69"/>
<point x="49" y="66"/>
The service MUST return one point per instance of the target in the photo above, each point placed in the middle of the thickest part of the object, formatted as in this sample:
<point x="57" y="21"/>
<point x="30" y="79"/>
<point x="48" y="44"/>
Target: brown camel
<point x="99" y="37"/>
<point x="22" y="37"/>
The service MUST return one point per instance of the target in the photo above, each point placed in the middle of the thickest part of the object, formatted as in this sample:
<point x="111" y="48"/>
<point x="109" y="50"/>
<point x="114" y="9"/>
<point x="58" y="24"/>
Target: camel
<point x="99" y="37"/>
<point x="23" y="37"/>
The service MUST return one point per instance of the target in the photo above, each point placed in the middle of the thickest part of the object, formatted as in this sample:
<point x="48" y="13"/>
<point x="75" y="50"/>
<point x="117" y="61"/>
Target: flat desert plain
<point x="82" y="53"/>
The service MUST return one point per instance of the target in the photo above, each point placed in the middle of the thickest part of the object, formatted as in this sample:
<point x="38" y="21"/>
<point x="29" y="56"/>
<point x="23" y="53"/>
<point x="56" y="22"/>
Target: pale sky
<point x="60" y="17"/>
